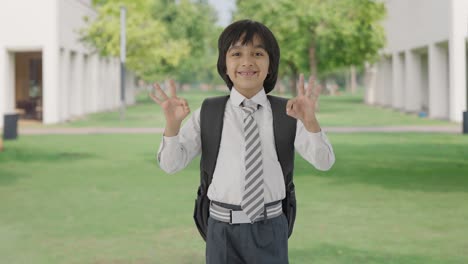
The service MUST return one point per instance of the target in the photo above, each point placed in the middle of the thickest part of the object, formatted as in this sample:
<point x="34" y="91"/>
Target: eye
<point x="235" y="54"/>
<point x="259" y="54"/>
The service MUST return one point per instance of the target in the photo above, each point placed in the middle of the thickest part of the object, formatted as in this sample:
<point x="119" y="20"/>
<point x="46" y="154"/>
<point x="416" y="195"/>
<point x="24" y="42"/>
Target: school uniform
<point x="263" y="241"/>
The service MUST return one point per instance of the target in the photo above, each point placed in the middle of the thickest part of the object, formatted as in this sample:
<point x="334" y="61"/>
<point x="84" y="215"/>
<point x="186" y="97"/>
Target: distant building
<point x="46" y="73"/>
<point x="424" y="65"/>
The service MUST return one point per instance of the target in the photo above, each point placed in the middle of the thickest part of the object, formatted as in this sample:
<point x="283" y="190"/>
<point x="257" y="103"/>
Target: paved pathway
<point x="147" y="130"/>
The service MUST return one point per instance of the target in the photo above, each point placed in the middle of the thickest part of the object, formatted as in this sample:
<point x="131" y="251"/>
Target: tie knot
<point x="249" y="106"/>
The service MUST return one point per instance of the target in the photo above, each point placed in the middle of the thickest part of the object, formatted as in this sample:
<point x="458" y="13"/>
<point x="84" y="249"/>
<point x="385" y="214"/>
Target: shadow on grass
<point x="8" y="176"/>
<point x="418" y="166"/>
<point x="19" y="156"/>
<point x="334" y="254"/>
<point x="37" y="155"/>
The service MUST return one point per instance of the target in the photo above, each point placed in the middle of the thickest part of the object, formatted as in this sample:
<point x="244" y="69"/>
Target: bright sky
<point x="224" y="8"/>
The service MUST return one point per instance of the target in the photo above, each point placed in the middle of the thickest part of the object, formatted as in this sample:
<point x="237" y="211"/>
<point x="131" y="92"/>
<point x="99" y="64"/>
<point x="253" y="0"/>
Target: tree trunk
<point x="313" y="59"/>
<point x="292" y="80"/>
<point x="348" y="81"/>
<point x="313" y="62"/>
<point x="353" y="80"/>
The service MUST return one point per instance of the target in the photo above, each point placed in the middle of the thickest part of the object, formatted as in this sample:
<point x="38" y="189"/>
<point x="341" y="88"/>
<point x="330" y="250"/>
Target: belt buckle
<point x="239" y="217"/>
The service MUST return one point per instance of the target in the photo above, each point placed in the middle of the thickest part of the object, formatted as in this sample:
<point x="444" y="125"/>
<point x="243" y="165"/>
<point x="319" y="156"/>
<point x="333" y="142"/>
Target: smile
<point x="247" y="73"/>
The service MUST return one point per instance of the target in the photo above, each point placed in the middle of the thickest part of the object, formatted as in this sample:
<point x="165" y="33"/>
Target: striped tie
<point x="252" y="200"/>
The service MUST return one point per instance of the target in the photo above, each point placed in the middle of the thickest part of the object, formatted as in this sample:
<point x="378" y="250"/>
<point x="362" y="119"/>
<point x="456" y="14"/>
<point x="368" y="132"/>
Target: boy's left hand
<point x="302" y="107"/>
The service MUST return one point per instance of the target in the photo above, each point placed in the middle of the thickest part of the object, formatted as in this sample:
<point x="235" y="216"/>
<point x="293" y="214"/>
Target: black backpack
<point x="211" y="126"/>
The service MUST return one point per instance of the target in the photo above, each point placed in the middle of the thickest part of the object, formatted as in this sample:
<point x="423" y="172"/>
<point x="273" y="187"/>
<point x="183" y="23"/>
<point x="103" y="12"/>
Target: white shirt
<point x="227" y="186"/>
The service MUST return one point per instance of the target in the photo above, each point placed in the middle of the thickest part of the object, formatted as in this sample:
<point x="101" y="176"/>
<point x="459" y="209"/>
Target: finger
<point x="154" y="98"/>
<point x="310" y="86"/>
<point x="160" y="91"/>
<point x="172" y="88"/>
<point x="300" y="87"/>
<point x="183" y="103"/>
<point x="292" y="113"/>
<point x="289" y="105"/>
<point x="317" y="92"/>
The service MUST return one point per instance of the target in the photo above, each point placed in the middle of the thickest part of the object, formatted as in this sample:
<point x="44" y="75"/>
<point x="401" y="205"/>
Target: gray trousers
<point x="264" y="242"/>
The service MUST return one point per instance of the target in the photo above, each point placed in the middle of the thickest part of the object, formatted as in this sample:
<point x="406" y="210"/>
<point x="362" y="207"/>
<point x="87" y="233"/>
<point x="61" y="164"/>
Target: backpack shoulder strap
<point x="284" y="130"/>
<point x="211" y="127"/>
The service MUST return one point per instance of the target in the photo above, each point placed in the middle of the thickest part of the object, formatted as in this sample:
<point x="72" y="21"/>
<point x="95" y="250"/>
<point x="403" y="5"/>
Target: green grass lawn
<point x="343" y="110"/>
<point x="390" y="198"/>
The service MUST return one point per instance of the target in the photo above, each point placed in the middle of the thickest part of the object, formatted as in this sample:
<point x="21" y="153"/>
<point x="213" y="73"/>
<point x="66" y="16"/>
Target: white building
<point x="45" y="72"/>
<point x="423" y="67"/>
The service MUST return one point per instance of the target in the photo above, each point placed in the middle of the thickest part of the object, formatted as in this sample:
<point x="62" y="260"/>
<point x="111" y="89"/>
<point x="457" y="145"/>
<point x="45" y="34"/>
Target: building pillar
<point x="51" y="89"/>
<point x="94" y="82"/>
<point x="380" y="82"/>
<point x="3" y="82"/>
<point x="129" y="88"/>
<point x="398" y="81"/>
<point x="102" y="87"/>
<point x="438" y="82"/>
<point x="107" y="84"/>
<point x="370" y="83"/>
<point x="78" y="72"/>
<point x="387" y="82"/>
<point x="412" y="85"/>
<point x="115" y="83"/>
<point x="7" y="83"/>
<point x="112" y="84"/>
<point x="73" y="88"/>
<point x="86" y="92"/>
<point x="64" y="104"/>
<point x="457" y="60"/>
<point x="424" y="81"/>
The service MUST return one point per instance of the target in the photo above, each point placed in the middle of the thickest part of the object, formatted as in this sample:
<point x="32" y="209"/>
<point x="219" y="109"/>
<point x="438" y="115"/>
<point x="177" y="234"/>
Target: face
<point x="247" y="66"/>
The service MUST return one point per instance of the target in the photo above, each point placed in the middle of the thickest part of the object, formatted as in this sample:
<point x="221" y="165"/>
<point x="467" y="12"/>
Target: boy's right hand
<point x="175" y="108"/>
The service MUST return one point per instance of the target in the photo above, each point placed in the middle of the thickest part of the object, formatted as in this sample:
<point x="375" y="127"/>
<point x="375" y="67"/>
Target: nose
<point x="247" y="61"/>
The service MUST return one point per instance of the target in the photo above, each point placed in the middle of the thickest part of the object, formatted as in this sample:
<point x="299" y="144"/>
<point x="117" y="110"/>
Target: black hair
<point x="247" y="30"/>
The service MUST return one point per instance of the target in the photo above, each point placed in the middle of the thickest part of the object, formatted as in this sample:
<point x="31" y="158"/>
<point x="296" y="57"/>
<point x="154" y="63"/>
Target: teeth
<point x="246" y="73"/>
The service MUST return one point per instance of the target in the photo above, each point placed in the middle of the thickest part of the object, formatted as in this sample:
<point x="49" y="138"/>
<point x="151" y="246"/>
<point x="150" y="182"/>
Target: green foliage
<point x="351" y="35"/>
<point x="164" y="38"/>
<point x="278" y="15"/>
<point x="195" y="23"/>
<point x="341" y="33"/>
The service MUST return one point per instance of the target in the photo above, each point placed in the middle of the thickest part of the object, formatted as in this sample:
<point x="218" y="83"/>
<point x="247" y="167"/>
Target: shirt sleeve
<point x="176" y="152"/>
<point x="314" y="147"/>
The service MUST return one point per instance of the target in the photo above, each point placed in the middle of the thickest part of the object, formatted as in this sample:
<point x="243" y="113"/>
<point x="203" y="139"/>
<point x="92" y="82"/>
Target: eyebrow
<point x="240" y="46"/>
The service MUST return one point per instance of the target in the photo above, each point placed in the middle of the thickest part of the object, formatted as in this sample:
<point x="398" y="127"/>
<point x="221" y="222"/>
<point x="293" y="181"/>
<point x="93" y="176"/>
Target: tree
<point x="195" y="22"/>
<point x="164" y="37"/>
<point x="279" y="16"/>
<point x="320" y="36"/>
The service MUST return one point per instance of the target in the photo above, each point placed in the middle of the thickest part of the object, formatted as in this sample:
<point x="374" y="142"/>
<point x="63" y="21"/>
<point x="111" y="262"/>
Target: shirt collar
<point x="237" y="98"/>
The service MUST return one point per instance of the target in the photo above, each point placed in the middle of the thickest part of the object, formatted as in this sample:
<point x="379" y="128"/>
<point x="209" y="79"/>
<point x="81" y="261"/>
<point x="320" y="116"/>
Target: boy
<point x="246" y="223"/>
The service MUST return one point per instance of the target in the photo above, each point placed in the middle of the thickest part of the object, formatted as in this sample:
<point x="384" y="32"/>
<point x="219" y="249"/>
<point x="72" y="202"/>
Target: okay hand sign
<point x="302" y="107"/>
<point x="175" y="108"/>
